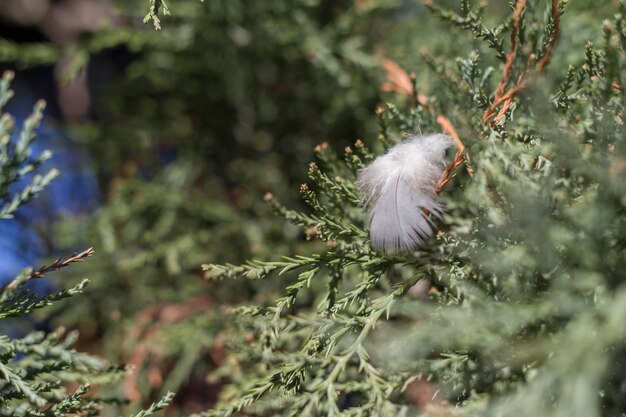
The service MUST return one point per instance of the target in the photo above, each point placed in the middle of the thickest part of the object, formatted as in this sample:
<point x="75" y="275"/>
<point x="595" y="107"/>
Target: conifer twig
<point x="510" y="58"/>
<point x="449" y="173"/>
<point x="506" y="99"/>
<point x="55" y="266"/>
<point x="554" y="39"/>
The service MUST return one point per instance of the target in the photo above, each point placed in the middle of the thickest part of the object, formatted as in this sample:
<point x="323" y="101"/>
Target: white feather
<point x="397" y="187"/>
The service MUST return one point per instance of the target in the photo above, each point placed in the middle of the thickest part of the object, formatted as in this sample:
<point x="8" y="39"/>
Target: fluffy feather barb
<point x="398" y="187"/>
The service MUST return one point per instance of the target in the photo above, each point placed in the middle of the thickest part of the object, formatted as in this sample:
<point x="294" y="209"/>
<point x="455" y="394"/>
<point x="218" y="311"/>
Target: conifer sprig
<point x="16" y="160"/>
<point x="9" y="289"/>
<point x="38" y="370"/>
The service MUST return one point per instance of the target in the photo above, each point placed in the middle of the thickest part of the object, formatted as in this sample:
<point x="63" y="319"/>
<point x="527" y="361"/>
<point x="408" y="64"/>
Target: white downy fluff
<point x="397" y="187"/>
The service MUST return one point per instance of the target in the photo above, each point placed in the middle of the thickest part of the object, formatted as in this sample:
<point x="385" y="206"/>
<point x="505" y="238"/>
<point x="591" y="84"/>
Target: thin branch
<point x="449" y="173"/>
<point x="554" y="38"/>
<point x="507" y="98"/>
<point x="55" y="266"/>
<point x="510" y="59"/>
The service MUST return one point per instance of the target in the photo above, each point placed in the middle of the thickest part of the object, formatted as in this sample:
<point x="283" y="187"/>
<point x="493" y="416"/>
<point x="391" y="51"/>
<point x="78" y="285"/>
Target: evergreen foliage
<point x="514" y="308"/>
<point x="223" y="104"/>
<point x="517" y="306"/>
<point x="41" y="374"/>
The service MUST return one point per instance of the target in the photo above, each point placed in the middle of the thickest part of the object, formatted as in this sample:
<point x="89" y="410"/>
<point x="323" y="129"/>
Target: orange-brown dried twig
<point x="556" y="31"/>
<point x="506" y="98"/>
<point x="449" y="172"/>
<point x="510" y="59"/>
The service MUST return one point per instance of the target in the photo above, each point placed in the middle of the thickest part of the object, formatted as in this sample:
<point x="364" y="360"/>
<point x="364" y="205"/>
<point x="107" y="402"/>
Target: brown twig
<point x="556" y="21"/>
<point x="510" y="59"/>
<point x="54" y="266"/>
<point x="506" y="99"/>
<point x="449" y="173"/>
